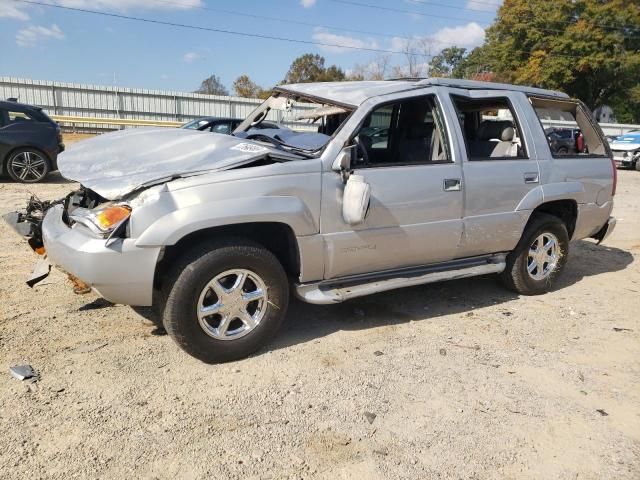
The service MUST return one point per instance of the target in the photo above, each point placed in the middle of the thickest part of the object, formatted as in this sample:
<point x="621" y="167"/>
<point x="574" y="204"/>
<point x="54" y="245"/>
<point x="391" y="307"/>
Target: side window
<point x="378" y="129"/>
<point x="15" y="117"/>
<point x="404" y="133"/>
<point x="573" y="133"/>
<point x="221" y="128"/>
<point x="490" y="128"/>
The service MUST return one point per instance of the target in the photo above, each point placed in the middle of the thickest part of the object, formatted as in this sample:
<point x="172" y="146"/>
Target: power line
<point x="457" y="7"/>
<point x="299" y="22"/>
<point x="218" y="30"/>
<point x="412" y="53"/>
<point x="410" y="12"/>
<point x="422" y="14"/>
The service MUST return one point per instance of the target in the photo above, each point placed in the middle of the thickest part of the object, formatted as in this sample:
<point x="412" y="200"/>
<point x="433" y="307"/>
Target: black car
<point x="29" y="142"/>
<point x="563" y="140"/>
<point x="220" y="125"/>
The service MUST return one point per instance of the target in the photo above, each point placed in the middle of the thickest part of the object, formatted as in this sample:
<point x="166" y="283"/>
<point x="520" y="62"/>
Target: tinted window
<point x="490" y="129"/>
<point x="406" y="132"/>
<point x="221" y="128"/>
<point x="195" y="124"/>
<point x="583" y="139"/>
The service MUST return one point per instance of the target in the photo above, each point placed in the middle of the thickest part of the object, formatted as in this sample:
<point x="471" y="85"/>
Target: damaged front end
<point x="28" y="224"/>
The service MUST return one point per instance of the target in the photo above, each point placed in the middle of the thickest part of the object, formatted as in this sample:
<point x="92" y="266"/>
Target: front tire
<point x="539" y="257"/>
<point x="225" y="300"/>
<point x="28" y="165"/>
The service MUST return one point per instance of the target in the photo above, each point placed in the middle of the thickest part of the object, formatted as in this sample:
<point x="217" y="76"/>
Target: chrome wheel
<point x="232" y="304"/>
<point x="28" y="166"/>
<point x="543" y="257"/>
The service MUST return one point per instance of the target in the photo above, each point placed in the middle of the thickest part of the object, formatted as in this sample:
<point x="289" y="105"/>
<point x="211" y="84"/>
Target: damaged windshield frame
<point x="280" y="101"/>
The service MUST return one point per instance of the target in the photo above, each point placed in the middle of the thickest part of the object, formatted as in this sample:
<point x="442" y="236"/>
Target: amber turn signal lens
<point x="111" y="216"/>
<point x="40" y="251"/>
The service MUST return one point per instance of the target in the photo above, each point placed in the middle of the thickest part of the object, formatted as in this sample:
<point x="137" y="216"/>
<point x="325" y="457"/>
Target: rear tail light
<point x="615" y="177"/>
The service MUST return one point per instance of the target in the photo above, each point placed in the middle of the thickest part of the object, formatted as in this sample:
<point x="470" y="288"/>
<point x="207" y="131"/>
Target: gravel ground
<point x="450" y="380"/>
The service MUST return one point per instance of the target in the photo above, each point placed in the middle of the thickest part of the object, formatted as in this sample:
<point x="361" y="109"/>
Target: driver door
<point x="415" y="213"/>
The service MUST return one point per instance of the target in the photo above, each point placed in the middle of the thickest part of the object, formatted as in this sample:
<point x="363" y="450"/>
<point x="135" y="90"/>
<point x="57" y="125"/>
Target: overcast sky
<point x="46" y="43"/>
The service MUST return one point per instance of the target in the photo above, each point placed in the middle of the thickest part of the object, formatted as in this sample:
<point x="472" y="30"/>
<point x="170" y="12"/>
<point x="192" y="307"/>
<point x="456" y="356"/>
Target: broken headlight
<point x="103" y="220"/>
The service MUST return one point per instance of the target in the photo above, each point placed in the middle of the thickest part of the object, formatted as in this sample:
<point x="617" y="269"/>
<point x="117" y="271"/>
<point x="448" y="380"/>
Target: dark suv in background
<point x="563" y="140"/>
<point x="29" y="142"/>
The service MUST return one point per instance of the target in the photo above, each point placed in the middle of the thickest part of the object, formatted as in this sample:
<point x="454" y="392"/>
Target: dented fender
<point x="172" y="227"/>
<point x="551" y="192"/>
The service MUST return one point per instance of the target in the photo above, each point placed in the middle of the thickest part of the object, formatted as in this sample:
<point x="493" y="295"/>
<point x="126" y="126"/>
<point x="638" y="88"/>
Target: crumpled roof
<point x="348" y="93"/>
<point x="353" y="94"/>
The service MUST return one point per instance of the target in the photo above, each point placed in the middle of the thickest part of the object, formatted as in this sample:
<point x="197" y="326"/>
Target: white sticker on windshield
<point x="249" y="148"/>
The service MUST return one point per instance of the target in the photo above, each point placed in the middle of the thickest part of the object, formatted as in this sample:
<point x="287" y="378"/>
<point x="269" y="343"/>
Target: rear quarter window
<point x="571" y="123"/>
<point x="15" y="117"/>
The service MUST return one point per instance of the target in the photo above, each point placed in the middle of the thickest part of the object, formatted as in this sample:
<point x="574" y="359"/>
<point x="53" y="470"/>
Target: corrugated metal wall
<point x="77" y="99"/>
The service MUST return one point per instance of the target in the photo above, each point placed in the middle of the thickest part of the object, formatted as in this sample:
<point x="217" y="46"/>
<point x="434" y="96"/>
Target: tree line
<point x="589" y="49"/>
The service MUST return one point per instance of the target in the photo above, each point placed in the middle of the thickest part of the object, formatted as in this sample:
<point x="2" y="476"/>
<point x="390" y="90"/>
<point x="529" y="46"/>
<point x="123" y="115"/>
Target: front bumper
<point x="627" y="163"/>
<point x="121" y="273"/>
<point x="624" y="159"/>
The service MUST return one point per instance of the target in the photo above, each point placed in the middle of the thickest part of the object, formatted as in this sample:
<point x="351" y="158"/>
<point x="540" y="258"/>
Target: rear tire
<point x="207" y="296"/>
<point x="637" y="165"/>
<point x="539" y="257"/>
<point x="28" y="165"/>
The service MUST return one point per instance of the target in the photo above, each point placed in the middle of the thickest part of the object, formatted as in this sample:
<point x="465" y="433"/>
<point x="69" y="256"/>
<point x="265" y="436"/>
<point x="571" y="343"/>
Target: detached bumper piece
<point x="40" y="272"/>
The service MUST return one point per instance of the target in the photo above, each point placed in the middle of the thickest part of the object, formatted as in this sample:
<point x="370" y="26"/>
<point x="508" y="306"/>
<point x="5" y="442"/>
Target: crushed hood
<point x="117" y="163"/>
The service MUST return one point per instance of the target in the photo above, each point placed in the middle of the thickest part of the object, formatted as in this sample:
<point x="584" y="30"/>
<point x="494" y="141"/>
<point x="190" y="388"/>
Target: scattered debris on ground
<point x="493" y="395"/>
<point x="23" y="372"/>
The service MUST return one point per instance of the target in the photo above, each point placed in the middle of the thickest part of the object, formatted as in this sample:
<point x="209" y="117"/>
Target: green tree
<point x="587" y="48"/>
<point x="310" y="68"/>
<point x="450" y="62"/>
<point x="307" y="68"/>
<point x="333" y="74"/>
<point x="212" y="86"/>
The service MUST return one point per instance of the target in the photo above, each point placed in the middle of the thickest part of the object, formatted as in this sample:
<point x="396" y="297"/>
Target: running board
<point x="336" y="291"/>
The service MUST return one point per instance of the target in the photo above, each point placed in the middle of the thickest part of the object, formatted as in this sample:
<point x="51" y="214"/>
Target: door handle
<point x="531" y="177"/>
<point x="451" y="185"/>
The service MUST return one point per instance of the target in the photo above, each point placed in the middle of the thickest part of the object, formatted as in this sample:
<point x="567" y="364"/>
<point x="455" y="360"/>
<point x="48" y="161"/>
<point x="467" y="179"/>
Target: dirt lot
<point x="465" y="380"/>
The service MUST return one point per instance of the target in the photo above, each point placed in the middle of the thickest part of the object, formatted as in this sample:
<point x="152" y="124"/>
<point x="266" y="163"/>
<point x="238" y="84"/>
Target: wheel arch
<point x="565" y="209"/>
<point x="277" y="237"/>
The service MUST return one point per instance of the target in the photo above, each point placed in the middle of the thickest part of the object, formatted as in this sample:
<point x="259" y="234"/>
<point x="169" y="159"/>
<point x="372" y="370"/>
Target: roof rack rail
<point x="407" y="79"/>
<point x="477" y="85"/>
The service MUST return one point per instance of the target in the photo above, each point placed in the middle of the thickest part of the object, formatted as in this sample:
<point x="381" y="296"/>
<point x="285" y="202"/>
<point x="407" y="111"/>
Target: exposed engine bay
<point x="28" y="222"/>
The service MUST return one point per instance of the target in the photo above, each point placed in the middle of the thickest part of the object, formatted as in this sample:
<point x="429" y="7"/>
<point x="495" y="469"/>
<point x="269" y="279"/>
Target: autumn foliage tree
<point x="243" y="86"/>
<point x="587" y="48"/>
<point x="310" y="68"/>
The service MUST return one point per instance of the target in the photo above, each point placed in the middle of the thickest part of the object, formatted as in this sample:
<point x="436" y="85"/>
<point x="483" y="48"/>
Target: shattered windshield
<point x="301" y="126"/>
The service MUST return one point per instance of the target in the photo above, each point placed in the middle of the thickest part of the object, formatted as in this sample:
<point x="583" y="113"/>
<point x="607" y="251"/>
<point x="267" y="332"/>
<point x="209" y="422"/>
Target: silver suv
<point x="371" y="186"/>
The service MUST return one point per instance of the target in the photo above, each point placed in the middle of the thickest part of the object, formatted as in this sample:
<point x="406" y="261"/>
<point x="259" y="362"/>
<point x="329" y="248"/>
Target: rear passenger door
<point x="499" y="166"/>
